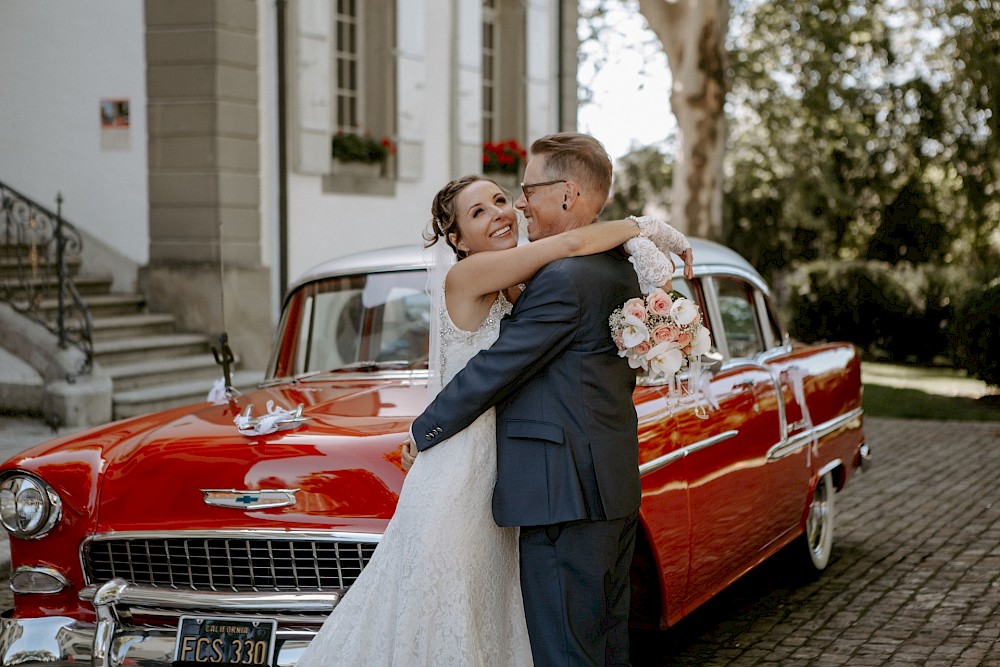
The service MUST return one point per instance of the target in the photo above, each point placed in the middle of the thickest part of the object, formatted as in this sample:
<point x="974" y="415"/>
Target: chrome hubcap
<point x="816" y="524"/>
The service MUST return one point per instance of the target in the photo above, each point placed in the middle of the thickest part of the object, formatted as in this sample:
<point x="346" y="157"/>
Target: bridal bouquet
<point x="661" y="333"/>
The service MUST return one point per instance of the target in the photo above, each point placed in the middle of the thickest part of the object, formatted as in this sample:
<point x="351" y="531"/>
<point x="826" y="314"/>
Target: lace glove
<point x="663" y="235"/>
<point x="652" y="266"/>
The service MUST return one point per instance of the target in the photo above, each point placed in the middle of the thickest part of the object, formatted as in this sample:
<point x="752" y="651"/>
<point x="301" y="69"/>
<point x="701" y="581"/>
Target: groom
<point x="567" y="450"/>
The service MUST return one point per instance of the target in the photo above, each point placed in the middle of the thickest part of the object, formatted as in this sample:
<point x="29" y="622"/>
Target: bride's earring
<point x="565" y="204"/>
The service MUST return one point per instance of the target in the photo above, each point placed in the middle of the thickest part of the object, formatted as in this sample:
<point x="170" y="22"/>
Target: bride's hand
<point x="409" y="454"/>
<point x="688" y="258"/>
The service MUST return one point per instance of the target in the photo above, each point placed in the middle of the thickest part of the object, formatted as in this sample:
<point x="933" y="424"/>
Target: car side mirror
<point x="711" y="362"/>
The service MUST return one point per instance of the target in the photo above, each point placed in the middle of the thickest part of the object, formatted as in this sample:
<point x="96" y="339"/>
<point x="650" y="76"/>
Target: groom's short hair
<point x="580" y="157"/>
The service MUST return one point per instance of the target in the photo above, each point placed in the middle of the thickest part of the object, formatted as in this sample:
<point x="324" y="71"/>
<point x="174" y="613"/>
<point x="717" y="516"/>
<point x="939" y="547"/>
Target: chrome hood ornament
<point x="249" y="500"/>
<point x="276" y="419"/>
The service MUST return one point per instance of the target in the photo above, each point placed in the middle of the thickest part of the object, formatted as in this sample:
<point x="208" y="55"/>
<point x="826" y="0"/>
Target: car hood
<point x="342" y="463"/>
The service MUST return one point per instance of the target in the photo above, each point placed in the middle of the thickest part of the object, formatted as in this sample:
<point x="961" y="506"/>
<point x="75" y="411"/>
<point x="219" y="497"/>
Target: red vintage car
<point x="174" y="537"/>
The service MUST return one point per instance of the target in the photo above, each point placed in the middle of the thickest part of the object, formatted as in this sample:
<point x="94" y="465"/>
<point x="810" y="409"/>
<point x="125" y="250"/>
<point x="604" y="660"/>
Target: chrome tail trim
<point x="800" y="440"/>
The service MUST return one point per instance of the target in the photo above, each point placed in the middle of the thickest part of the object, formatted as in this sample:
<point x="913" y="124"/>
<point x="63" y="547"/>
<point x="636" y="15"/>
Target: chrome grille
<point x="228" y="564"/>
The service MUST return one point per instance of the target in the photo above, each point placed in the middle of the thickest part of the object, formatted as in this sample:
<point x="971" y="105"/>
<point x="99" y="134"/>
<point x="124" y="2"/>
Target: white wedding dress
<point x="443" y="586"/>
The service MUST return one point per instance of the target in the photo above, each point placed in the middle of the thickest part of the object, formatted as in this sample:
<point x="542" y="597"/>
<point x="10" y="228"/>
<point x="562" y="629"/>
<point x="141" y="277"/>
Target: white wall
<point x="59" y="60"/>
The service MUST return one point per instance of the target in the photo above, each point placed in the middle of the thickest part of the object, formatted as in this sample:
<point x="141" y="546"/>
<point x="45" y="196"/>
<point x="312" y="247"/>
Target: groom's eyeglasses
<point x="527" y="187"/>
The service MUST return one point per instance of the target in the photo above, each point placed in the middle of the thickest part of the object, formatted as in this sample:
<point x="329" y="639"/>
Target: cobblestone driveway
<point x="914" y="579"/>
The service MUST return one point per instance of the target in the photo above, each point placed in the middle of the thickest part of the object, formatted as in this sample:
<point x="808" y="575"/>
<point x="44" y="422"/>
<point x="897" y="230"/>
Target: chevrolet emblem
<point x="249" y="500"/>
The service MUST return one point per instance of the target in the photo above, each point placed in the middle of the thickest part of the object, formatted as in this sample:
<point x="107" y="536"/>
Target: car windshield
<point x="359" y="323"/>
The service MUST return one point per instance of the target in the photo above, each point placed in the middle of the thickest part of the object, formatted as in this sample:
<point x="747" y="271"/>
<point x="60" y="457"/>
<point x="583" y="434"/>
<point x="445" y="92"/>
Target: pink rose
<point x="642" y="348"/>
<point x="665" y="333"/>
<point x="684" y="338"/>
<point x="659" y="302"/>
<point x="618" y="340"/>
<point x="635" y="308"/>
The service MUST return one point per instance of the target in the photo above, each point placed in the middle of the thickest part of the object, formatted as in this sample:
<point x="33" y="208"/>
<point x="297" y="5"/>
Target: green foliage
<point x="863" y="160"/>
<point x="864" y="302"/>
<point x="865" y="128"/>
<point x="902" y="311"/>
<point x="352" y="147"/>
<point x="642" y="183"/>
<point x="976" y="333"/>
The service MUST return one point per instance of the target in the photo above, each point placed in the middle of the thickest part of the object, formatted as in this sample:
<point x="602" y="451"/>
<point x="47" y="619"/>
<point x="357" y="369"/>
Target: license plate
<point x="205" y="640"/>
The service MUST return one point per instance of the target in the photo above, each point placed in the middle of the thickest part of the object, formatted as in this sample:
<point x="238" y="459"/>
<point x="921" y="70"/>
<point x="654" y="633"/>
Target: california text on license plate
<point x="229" y="641"/>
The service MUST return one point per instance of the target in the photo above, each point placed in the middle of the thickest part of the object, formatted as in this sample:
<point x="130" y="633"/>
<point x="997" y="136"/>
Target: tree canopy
<point x="855" y="129"/>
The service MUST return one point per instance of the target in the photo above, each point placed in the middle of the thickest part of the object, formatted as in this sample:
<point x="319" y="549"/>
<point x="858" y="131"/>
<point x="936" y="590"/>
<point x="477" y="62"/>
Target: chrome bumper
<point x="61" y="641"/>
<point x="58" y="641"/>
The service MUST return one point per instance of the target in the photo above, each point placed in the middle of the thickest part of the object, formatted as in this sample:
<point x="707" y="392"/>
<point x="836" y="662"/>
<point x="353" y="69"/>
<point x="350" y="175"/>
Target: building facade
<point x="192" y="140"/>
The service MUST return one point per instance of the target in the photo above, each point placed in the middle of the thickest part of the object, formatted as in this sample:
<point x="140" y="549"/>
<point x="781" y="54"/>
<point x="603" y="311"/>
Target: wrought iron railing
<point x="35" y="246"/>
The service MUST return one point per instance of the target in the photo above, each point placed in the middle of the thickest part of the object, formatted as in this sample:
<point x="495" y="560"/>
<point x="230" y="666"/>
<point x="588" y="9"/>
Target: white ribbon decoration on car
<point x="276" y="419"/>
<point x="702" y="382"/>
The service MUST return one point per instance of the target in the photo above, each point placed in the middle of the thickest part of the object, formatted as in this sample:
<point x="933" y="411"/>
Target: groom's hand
<point x="409" y="454"/>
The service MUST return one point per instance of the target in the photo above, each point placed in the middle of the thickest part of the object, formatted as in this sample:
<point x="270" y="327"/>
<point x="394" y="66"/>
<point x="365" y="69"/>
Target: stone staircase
<point x="152" y="365"/>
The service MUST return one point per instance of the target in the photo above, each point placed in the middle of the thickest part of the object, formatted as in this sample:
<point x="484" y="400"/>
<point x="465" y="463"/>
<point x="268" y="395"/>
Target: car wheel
<point x="817" y="541"/>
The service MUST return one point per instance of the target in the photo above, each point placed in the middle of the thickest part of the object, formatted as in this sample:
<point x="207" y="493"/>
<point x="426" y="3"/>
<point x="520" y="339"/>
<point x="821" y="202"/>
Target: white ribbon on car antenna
<point x="224" y="390"/>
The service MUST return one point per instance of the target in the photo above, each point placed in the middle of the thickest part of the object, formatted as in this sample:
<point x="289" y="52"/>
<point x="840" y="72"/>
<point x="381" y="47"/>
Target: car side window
<point x="739" y="317"/>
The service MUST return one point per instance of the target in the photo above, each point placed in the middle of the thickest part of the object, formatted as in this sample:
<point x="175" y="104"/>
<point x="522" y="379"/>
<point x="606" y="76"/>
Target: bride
<point x="442" y="588"/>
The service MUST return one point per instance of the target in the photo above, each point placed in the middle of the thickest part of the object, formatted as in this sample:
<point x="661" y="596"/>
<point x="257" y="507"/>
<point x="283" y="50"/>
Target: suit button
<point x="428" y="436"/>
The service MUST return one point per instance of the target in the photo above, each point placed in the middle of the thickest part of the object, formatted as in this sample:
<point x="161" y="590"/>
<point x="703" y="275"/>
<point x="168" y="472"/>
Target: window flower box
<point x="360" y="154"/>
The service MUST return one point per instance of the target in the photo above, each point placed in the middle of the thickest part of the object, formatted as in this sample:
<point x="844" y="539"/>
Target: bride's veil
<point x="438" y="259"/>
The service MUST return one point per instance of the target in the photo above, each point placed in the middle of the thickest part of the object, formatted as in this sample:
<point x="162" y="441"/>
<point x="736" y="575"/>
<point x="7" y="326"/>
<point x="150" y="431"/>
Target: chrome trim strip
<point x="835" y="463"/>
<point x="790" y="446"/>
<point x="385" y="374"/>
<point x="167" y="615"/>
<point x="239" y="533"/>
<point x="828" y="427"/>
<point x="666" y="459"/>
<point x="730" y="270"/>
<point x="143" y="596"/>
<point x="783" y="449"/>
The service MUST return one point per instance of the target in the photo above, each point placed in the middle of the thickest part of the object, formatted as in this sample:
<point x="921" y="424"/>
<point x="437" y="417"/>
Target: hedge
<point x="899" y="311"/>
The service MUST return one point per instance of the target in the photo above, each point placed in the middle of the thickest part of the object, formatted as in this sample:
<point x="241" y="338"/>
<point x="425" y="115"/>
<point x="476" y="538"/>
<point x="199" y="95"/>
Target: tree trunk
<point x="693" y="35"/>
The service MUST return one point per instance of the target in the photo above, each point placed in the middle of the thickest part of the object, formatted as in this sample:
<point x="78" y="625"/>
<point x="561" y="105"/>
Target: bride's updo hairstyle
<point x="444" y="217"/>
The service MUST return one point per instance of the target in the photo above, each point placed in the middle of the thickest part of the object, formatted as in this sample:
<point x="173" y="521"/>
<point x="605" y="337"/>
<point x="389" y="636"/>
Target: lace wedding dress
<point x="443" y="586"/>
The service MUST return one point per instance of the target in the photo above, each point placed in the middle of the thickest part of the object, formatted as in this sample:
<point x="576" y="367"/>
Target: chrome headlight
<point x="29" y="507"/>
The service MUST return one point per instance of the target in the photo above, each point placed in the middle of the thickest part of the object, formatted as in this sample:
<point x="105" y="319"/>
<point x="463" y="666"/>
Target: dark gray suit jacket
<point x="567" y="447"/>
